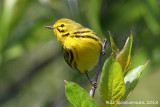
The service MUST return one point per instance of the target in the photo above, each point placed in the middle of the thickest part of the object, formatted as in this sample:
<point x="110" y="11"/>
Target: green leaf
<point x="115" y="50"/>
<point x="131" y="79"/>
<point x="124" y="57"/>
<point x="78" y="96"/>
<point x="112" y="87"/>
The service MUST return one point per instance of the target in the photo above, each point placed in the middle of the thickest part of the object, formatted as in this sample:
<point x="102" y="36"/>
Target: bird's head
<point x="64" y="27"/>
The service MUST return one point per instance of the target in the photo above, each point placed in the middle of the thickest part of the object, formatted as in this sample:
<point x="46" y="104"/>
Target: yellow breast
<point x="85" y="50"/>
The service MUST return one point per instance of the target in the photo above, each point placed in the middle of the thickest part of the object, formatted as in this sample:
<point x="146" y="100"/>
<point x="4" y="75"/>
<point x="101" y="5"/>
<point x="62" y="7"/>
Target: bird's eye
<point x="62" y="25"/>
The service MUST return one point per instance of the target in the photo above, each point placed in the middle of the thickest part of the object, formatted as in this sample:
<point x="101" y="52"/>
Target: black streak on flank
<point x="60" y="30"/>
<point x="65" y="35"/>
<point x="66" y="56"/>
<point x="71" y="56"/>
<point x="87" y="36"/>
<point x="81" y="32"/>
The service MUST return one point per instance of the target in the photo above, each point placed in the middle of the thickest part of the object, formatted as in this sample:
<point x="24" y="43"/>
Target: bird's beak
<point x="50" y="27"/>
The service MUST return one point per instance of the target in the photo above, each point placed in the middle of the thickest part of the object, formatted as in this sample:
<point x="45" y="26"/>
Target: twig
<point x="94" y="83"/>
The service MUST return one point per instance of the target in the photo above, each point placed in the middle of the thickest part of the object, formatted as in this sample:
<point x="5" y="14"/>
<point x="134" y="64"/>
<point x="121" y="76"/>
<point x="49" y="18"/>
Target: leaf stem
<point x="94" y="83"/>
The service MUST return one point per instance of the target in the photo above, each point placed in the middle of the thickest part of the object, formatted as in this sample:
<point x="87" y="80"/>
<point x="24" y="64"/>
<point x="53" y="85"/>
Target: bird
<point x="80" y="45"/>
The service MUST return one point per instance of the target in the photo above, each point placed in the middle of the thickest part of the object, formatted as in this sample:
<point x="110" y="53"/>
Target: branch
<point x="94" y="83"/>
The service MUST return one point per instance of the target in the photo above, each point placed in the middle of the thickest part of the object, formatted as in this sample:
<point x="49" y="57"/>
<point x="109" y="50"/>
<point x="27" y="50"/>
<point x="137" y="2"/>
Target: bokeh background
<point x="32" y="68"/>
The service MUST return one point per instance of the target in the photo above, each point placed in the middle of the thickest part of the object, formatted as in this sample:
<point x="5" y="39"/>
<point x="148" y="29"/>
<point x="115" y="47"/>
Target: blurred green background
<point x="32" y="68"/>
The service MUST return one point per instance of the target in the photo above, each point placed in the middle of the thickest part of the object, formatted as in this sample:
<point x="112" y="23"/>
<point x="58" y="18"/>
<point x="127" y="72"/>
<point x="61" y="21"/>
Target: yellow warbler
<point x="81" y="46"/>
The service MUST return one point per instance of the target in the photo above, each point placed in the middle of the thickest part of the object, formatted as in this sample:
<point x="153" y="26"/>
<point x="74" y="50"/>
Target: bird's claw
<point x="94" y="83"/>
